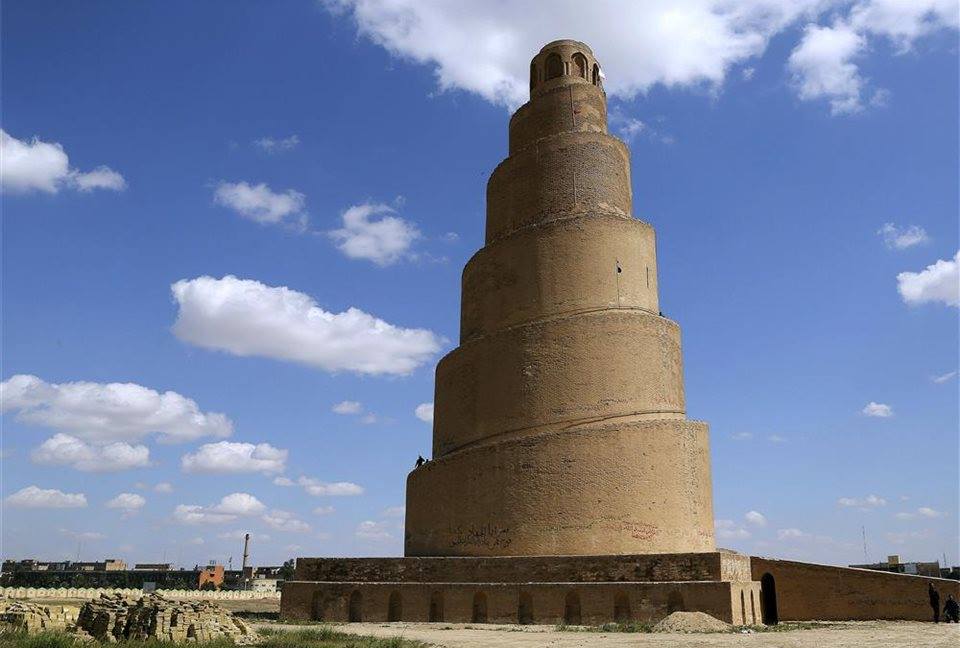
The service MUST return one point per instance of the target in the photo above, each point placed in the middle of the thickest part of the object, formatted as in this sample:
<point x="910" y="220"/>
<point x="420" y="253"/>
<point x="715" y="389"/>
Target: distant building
<point x="210" y="577"/>
<point x="952" y="573"/>
<point x="895" y="566"/>
<point x="152" y="567"/>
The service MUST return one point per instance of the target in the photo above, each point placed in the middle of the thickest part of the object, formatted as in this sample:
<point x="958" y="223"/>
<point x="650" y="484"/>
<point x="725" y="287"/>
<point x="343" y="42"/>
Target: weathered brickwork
<point x="560" y="421"/>
<point x="567" y="485"/>
<point x="545" y="603"/>
<point x="713" y="566"/>
<point x="804" y="591"/>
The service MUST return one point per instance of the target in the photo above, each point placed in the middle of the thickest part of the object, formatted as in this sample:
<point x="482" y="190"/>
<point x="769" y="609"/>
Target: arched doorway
<point x="394" y="607"/>
<point x="554" y="66"/>
<point x="355" y="607"/>
<point x="621" y="607"/>
<point x="768" y="600"/>
<point x="479" y="608"/>
<point x="436" y="606"/>
<point x="525" y="608"/>
<point x="571" y="608"/>
<point x="580" y="65"/>
<point x="675" y="602"/>
<point x="318" y="605"/>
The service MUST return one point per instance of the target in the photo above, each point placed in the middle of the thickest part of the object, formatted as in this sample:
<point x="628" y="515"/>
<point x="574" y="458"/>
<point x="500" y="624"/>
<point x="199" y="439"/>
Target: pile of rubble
<point x="114" y="618"/>
<point x="21" y="616"/>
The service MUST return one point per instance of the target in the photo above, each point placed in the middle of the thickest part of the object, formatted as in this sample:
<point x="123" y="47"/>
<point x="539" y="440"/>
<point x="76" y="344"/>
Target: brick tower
<point x="566" y="483"/>
<point x="560" y="426"/>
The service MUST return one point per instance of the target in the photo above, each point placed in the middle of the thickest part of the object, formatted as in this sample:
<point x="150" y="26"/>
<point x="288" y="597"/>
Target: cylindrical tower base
<point x="613" y="487"/>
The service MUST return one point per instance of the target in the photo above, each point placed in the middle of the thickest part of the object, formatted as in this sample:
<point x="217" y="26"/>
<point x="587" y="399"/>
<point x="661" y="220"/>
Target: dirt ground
<point x="872" y="634"/>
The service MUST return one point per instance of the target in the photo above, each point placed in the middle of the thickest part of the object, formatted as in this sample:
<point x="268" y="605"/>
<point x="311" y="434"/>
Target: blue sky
<point x="233" y="235"/>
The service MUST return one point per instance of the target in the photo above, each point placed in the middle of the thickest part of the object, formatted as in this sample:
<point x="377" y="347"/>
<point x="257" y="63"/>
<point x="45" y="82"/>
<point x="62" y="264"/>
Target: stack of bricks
<point x="27" y="617"/>
<point x="113" y="618"/>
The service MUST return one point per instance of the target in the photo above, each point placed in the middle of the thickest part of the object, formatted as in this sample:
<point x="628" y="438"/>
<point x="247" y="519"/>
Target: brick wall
<point x="819" y="592"/>
<point x="712" y="566"/>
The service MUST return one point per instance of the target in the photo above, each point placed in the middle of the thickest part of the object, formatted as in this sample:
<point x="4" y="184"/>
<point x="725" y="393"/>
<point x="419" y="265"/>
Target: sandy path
<point x="875" y="634"/>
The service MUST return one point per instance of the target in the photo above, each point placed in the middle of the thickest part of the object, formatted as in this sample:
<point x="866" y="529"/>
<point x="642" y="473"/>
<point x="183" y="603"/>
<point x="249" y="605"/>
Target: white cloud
<point x="865" y="503"/>
<point x="879" y="410"/>
<point x="369" y="419"/>
<point x="83" y="535"/>
<point x="43" y="166"/>
<point x="105" y="412"/>
<point x="127" y="502"/>
<point x="196" y="541"/>
<point x="229" y="457"/>
<point x="791" y="534"/>
<point x="347" y="407"/>
<point x="395" y="511"/>
<point x="228" y="509"/>
<point x="939" y="282"/>
<point x="630" y="128"/>
<point x="103" y="177"/>
<point x="65" y="450"/>
<point x="755" y="518"/>
<point x="424" y="412"/>
<point x="928" y="512"/>
<point x="741" y="436"/>
<point x="728" y="530"/>
<point x="163" y="487"/>
<point x="285" y="521"/>
<point x="674" y="43"/>
<point x="249" y="318"/>
<point x="323" y="510"/>
<point x="904" y="21"/>
<point x="899" y="239"/>
<point x="822" y="67"/>
<point x="36" y="497"/>
<point x="384" y="240"/>
<point x="903" y="537"/>
<point x="370" y="530"/>
<point x="336" y="489"/>
<point x="239" y="504"/>
<point x="942" y="378"/>
<point x="196" y="514"/>
<point x="282" y="481"/>
<point x="823" y="63"/>
<point x="277" y="145"/>
<point x="640" y="44"/>
<point x="261" y="204"/>
<point x="776" y="438"/>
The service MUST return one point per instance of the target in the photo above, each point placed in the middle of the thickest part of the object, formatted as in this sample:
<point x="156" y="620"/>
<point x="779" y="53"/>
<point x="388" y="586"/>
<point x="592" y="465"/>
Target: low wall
<point x="712" y="566"/>
<point x="807" y="592"/>
<point x="544" y="603"/>
<point x="94" y="592"/>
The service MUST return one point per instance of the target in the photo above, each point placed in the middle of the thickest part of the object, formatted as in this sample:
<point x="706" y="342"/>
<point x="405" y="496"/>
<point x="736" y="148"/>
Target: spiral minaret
<point x="560" y="424"/>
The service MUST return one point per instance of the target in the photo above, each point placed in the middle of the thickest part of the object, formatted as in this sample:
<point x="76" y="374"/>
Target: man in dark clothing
<point x="934" y="602"/>
<point x="421" y="461"/>
<point x="951" y="610"/>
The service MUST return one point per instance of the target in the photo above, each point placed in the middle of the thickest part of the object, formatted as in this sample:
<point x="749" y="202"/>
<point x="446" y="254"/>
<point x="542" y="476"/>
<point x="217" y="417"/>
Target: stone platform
<point x="529" y="589"/>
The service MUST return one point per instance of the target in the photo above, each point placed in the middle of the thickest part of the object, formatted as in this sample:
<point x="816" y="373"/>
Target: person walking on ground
<point x="951" y="610"/>
<point x="934" y="602"/>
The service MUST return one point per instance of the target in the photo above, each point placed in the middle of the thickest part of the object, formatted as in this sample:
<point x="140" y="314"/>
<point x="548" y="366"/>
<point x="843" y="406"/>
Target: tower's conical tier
<point x="560" y="423"/>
